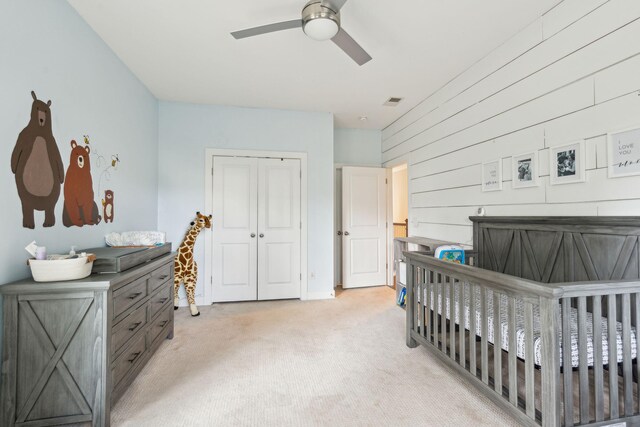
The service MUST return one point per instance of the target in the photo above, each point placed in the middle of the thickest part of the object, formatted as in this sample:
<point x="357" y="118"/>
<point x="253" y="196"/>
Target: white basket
<point x="47" y="270"/>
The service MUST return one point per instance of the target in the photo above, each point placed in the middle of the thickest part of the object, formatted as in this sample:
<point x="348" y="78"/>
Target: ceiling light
<point x="363" y="118"/>
<point x="319" y="22"/>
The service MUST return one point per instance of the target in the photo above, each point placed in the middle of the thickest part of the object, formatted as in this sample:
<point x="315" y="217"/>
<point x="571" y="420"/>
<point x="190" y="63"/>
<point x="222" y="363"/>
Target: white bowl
<point x="61" y="269"/>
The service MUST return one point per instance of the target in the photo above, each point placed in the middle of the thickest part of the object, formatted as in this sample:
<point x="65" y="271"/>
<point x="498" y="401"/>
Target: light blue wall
<point x="45" y="46"/>
<point x="187" y="130"/>
<point x="358" y="147"/>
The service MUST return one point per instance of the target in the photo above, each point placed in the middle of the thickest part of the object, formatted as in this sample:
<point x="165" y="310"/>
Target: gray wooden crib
<point x="528" y="321"/>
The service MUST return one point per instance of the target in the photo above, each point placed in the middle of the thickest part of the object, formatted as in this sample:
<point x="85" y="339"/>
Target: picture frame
<point x="623" y="150"/>
<point x="492" y="175"/>
<point x="524" y="170"/>
<point x="567" y="163"/>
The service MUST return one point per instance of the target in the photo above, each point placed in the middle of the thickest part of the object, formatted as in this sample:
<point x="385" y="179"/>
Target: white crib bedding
<point x="520" y="330"/>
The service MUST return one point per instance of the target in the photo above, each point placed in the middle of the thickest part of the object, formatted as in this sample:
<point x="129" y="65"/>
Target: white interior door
<point x="235" y="223"/>
<point x="337" y="267"/>
<point x="364" y="227"/>
<point x="278" y="229"/>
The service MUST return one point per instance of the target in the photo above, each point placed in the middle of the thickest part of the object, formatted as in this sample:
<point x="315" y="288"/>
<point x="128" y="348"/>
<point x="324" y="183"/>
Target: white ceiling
<point x="182" y="51"/>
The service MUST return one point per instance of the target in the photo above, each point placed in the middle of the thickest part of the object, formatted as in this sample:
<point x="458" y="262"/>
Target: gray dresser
<point x="71" y="349"/>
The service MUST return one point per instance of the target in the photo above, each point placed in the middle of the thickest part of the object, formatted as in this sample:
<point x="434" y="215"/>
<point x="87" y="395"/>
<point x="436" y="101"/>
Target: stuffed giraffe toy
<point x="185" y="268"/>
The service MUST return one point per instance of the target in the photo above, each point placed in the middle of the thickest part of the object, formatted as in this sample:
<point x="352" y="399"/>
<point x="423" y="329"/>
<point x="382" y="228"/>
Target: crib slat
<point x="484" y="348"/>
<point x="421" y="308"/>
<point x="419" y="278"/>
<point x="497" y="344"/>
<point x="613" y="357"/>
<point x="472" y="330"/>
<point x="583" y="364"/>
<point x="443" y="312"/>
<point x="550" y="354"/>
<point x="436" y="310"/>
<point x="461" y="321"/>
<point x="626" y="355"/>
<point x="513" y="362"/>
<point x="598" y="382"/>
<point x="452" y="319"/>
<point x="428" y="302"/>
<point x="528" y="361"/>
<point x="567" y="375"/>
<point x="636" y="298"/>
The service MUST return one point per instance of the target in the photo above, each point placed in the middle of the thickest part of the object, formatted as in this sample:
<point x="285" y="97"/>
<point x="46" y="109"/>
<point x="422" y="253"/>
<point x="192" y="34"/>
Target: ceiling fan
<point x="320" y="21"/>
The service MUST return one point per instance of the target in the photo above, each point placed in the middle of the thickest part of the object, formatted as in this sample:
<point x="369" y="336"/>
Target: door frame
<point x="208" y="203"/>
<point x="390" y="256"/>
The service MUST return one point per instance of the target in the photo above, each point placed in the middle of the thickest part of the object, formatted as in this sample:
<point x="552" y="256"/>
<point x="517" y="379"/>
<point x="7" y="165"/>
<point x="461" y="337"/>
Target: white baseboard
<point x="321" y="295"/>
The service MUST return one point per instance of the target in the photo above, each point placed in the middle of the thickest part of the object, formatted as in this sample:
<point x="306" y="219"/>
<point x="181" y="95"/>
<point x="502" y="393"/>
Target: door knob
<point x="346" y="233"/>
<point x="339" y="233"/>
<point x="253" y="235"/>
<point x="261" y="235"/>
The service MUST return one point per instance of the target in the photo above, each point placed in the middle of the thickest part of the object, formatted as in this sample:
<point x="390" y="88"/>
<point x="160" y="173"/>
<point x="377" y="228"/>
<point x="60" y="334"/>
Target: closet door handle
<point x="253" y="235"/>
<point x="261" y="235"/>
<point x="346" y="233"/>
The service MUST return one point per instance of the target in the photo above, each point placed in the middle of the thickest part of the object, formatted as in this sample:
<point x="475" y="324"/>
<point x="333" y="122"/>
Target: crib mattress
<point x="520" y="330"/>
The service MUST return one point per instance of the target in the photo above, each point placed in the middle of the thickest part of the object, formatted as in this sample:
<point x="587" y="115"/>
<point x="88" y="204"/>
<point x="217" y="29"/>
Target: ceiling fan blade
<point x="270" y="28"/>
<point x="351" y="47"/>
<point x="336" y="4"/>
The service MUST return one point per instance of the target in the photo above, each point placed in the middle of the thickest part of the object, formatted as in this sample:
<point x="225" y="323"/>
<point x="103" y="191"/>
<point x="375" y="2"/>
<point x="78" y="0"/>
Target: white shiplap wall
<point x="573" y="74"/>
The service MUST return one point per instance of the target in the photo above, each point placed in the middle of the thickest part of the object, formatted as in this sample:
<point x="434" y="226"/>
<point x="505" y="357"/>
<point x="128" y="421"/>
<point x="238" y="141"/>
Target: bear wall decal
<point x="107" y="206"/>
<point x="37" y="166"/>
<point x="79" y="207"/>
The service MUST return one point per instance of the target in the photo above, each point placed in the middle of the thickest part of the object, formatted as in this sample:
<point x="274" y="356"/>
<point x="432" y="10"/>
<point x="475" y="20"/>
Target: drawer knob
<point x="135" y="326"/>
<point x="163" y="323"/>
<point x="164" y="276"/>
<point x="163" y="300"/>
<point x="136" y="295"/>
<point x="135" y="356"/>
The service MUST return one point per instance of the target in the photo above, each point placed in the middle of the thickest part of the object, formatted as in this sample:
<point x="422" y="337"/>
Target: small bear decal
<point x="107" y="206"/>
<point x="37" y="166"/>
<point x="79" y="207"/>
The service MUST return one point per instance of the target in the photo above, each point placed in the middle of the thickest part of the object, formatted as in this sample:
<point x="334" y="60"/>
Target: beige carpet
<point x="339" y="362"/>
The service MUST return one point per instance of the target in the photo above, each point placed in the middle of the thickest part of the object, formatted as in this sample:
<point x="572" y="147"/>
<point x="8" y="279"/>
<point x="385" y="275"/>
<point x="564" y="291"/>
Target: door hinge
<point x="386" y="225"/>
<point x="300" y="174"/>
<point x="211" y="171"/>
<point x="300" y="225"/>
<point x="300" y="276"/>
<point x="386" y="180"/>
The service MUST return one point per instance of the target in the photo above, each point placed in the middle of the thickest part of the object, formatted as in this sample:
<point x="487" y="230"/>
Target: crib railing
<point x="499" y="356"/>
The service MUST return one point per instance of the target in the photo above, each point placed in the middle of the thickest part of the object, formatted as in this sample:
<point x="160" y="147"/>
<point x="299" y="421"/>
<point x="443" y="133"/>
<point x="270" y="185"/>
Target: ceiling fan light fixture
<point x="321" y="28"/>
<point x="320" y="22"/>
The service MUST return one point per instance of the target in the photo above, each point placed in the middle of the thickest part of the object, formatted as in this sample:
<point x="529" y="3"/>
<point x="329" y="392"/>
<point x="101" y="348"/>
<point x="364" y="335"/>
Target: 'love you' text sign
<point x="624" y="153"/>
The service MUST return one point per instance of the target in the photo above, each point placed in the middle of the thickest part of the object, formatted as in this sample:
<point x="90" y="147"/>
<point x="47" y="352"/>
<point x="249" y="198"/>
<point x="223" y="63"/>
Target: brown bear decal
<point x="37" y="165"/>
<point x="79" y="207"/>
<point x="107" y="206"/>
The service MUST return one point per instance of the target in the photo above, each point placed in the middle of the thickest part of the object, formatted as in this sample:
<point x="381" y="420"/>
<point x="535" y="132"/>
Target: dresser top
<point x="94" y="282"/>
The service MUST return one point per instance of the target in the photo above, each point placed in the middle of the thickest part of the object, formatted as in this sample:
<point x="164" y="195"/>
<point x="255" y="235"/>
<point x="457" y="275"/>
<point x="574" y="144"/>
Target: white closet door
<point x="278" y="229"/>
<point x="364" y="227"/>
<point x="235" y="219"/>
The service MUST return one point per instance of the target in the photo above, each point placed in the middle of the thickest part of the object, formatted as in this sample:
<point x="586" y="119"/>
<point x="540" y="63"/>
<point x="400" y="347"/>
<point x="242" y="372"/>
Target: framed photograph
<point x="624" y="153"/>
<point x="492" y="175"/>
<point x="567" y="164"/>
<point x="525" y="170"/>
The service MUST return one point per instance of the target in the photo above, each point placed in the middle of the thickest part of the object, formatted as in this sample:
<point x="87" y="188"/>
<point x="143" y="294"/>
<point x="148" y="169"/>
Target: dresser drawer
<point x="158" y="325"/>
<point x="160" y="276"/>
<point x="128" y="327"/>
<point x="129" y="295"/>
<point x="159" y="300"/>
<point x="127" y="360"/>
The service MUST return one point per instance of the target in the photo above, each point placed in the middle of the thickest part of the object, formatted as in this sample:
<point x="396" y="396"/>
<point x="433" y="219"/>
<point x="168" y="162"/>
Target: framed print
<point x="624" y="153"/>
<point x="525" y="170"/>
<point x="492" y="175"/>
<point x="567" y="164"/>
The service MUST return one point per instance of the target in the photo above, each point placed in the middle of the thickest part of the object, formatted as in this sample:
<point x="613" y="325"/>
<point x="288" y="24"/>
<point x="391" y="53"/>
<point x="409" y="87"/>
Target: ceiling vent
<point x="392" y="102"/>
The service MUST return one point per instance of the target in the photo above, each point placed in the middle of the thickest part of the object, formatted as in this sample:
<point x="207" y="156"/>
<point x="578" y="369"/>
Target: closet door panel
<point x="279" y="229"/>
<point x="235" y="186"/>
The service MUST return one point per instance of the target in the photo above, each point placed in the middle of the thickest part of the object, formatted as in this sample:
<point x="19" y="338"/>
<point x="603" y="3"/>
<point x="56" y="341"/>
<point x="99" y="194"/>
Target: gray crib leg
<point x="410" y="306"/>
